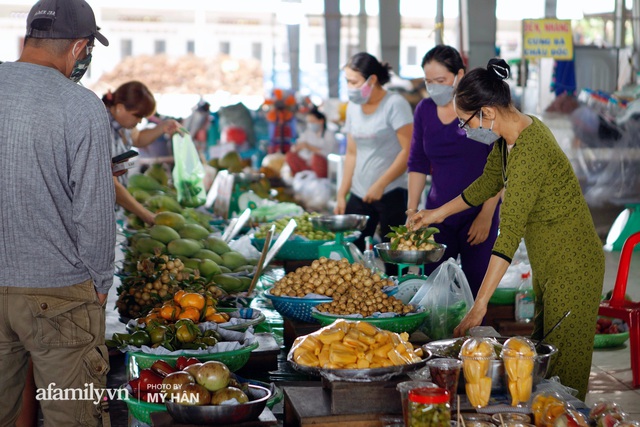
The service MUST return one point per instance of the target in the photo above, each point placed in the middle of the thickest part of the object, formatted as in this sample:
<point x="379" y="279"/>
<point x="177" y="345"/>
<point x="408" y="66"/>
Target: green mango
<point x="144" y="182"/>
<point x="163" y="203"/>
<point x="233" y="259"/>
<point x="147" y="244"/>
<point x="163" y="233"/>
<point x="157" y="172"/>
<point x="192" y="263"/>
<point x="216" y="245"/>
<point x="193" y="231"/>
<point x="246" y="282"/>
<point x="186" y="247"/>
<point x="207" y="254"/>
<point x="170" y="219"/>
<point x="228" y="283"/>
<point x="224" y="269"/>
<point x="141" y="195"/>
<point x="135" y="237"/>
<point x="248" y="268"/>
<point x="208" y="268"/>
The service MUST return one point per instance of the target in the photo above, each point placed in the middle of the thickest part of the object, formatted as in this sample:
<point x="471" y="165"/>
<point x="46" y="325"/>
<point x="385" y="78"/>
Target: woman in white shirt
<point x="313" y="146"/>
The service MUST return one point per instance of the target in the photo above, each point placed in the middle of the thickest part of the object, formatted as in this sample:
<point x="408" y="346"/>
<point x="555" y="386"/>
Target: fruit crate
<point x="298" y="249"/>
<point x="295" y="308"/>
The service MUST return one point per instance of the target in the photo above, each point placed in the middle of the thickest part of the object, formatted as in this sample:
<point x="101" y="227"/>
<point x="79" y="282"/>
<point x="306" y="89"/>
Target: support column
<point x="390" y="33"/>
<point x="481" y="31"/>
<point x="293" y="34"/>
<point x="550" y="8"/>
<point x="618" y="23"/>
<point x="363" y="23"/>
<point x="332" y="38"/>
<point x="439" y="21"/>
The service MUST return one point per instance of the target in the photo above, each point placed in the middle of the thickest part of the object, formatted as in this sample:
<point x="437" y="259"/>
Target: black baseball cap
<point x="63" y="19"/>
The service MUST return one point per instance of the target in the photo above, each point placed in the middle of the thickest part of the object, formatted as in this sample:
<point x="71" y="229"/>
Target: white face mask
<point x="441" y="94"/>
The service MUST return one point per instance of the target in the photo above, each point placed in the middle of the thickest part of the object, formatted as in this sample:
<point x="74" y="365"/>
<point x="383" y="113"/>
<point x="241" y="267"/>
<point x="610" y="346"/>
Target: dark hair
<point x="485" y="87"/>
<point x="448" y="56"/>
<point x="135" y="97"/>
<point x="367" y="65"/>
<point x="320" y="116"/>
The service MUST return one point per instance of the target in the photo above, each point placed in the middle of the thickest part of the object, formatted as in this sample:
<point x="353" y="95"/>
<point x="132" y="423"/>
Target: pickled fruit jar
<point x="476" y="355"/>
<point x="429" y="407"/>
<point x="518" y="355"/>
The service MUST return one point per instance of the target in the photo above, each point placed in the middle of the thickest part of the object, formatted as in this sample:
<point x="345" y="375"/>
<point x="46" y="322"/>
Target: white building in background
<point x="243" y="29"/>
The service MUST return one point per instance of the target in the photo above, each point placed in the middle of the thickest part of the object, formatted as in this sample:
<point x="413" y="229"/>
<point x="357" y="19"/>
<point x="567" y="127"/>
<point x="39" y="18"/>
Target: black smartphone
<point x="124" y="156"/>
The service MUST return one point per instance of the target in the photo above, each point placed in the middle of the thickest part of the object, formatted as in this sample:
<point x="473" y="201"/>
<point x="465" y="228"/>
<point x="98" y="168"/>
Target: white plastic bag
<point x="447" y="300"/>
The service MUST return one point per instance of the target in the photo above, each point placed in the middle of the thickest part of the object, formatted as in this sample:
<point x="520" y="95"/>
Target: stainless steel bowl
<point x="541" y="364"/>
<point x="222" y="414"/>
<point x="410" y="257"/>
<point x="339" y="223"/>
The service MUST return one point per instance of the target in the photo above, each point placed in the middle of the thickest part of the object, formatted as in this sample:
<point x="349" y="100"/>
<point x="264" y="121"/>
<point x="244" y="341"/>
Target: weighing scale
<point x="339" y="224"/>
<point x="409" y="284"/>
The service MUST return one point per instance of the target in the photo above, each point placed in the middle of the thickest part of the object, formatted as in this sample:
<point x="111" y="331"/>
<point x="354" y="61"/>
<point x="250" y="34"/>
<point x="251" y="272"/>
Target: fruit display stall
<point x="350" y="348"/>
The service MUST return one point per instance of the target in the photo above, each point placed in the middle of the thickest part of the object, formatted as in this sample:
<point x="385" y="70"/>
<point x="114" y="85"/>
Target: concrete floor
<point x="611" y="368"/>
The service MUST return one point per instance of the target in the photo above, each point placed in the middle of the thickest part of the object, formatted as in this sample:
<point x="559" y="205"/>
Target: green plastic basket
<point x="407" y="323"/>
<point x="141" y="410"/>
<point x="504" y="296"/>
<point x="234" y="359"/>
<point x="297" y="250"/>
<point x="610" y="340"/>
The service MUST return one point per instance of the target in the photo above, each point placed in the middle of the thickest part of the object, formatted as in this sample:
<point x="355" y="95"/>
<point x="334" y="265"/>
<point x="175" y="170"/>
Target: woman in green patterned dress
<point x="543" y="203"/>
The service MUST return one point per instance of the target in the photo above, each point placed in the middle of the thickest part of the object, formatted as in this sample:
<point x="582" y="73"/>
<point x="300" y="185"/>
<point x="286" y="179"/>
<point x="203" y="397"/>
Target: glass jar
<point x="429" y="407"/>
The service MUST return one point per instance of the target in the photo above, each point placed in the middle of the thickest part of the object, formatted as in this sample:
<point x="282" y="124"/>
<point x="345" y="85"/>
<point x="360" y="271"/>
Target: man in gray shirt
<point x="57" y="224"/>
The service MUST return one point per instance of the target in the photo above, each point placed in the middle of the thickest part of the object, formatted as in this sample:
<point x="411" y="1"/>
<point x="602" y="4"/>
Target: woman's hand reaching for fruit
<point x="424" y="218"/>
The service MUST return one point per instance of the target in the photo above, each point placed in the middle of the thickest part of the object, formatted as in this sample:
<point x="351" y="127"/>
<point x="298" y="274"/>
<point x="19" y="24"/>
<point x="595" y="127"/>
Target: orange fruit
<point x="170" y="312"/>
<point x="178" y="295"/>
<point x="191" y="299"/>
<point x="190" y="313"/>
<point x="217" y="317"/>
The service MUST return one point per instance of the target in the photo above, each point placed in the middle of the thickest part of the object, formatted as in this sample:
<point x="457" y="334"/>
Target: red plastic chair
<point x="628" y="311"/>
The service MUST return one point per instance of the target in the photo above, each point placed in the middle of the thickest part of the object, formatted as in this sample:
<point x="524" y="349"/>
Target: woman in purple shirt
<point x="441" y="149"/>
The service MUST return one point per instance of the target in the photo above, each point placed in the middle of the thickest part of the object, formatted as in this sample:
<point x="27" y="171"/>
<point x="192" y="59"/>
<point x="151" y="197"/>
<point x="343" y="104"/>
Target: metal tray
<point x="395" y="256"/>
<point x="339" y="223"/>
<point x="362" y="375"/>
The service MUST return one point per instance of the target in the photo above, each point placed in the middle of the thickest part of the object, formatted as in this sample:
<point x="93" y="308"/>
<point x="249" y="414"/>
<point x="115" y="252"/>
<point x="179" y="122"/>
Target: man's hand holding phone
<point x="122" y="162"/>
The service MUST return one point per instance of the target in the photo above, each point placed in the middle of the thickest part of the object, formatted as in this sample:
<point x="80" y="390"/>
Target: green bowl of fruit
<point x="610" y="333"/>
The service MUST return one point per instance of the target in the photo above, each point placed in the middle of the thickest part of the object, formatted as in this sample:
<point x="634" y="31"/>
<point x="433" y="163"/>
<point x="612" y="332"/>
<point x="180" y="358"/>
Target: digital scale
<point x="409" y="283"/>
<point x="340" y="224"/>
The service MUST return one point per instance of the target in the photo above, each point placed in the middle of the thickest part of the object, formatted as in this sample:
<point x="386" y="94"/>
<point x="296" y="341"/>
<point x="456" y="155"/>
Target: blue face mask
<point x="361" y="95"/>
<point x="480" y="134"/>
<point x="314" y="127"/>
<point x="441" y="94"/>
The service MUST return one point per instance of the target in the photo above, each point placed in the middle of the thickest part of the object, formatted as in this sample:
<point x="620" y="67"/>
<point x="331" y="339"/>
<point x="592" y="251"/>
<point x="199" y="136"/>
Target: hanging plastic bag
<point x="447" y="299"/>
<point x="188" y="172"/>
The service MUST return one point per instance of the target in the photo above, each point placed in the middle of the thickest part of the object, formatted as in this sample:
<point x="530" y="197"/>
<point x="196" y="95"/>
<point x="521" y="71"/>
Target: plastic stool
<point x="628" y="311"/>
<point x="627" y="223"/>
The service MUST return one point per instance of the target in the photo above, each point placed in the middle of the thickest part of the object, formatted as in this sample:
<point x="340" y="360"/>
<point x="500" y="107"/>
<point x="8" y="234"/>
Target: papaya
<point x="163" y="203"/>
<point x="170" y="219"/>
<point x="228" y="283"/>
<point x="186" y="247"/>
<point x="163" y="233"/>
<point x="193" y="231"/>
<point x="147" y="244"/>
<point x="216" y="245"/>
<point x="233" y="259"/>
<point x="207" y="254"/>
<point x="208" y="268"/>
<point x="144" y="182"/>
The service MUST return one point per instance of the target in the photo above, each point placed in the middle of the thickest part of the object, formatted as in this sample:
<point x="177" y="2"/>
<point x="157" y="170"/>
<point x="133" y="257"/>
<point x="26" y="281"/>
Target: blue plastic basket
<point x="296" y="308"/>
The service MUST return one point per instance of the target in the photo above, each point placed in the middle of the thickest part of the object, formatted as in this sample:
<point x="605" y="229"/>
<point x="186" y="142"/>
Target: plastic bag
<point x="188" y="172"/>
<point x="448" y="299"/>
<point x="313" y="192"/>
